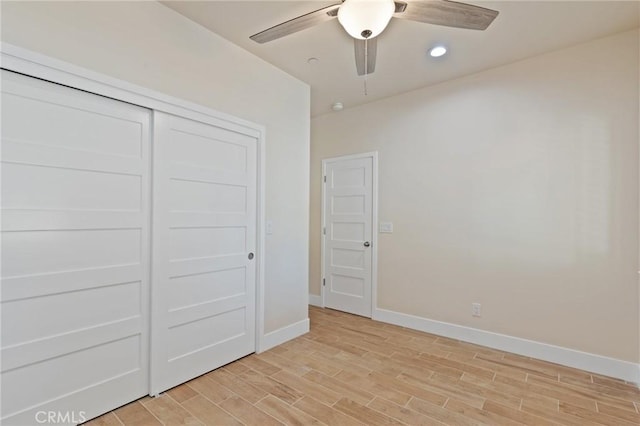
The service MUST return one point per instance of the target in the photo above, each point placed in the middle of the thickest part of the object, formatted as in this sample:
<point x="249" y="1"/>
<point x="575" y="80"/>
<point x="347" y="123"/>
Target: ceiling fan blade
<point x="297" y="24"/>
<point x="365" y="55"/>
<point x="448" y="13"/>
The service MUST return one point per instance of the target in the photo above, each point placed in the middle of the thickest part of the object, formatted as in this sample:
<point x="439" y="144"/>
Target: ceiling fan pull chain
<point x="366" y="64"/>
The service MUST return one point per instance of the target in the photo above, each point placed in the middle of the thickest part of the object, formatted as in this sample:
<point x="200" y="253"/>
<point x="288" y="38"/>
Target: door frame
<point x="37" y="65"/>
<point x="374" y="223"/>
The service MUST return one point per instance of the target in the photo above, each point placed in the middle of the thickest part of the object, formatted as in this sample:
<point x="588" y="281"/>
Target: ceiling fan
<point x="364" y="20"/>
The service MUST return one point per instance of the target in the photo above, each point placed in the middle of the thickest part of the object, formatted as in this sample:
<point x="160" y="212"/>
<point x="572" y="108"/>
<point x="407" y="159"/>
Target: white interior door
<point x="75" y="231"/>
<point x="204" y="240"/>
<point x="348" y="219"/>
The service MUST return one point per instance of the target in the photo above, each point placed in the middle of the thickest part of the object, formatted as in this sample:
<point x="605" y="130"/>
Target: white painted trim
<point x="374" y="224"/>
<point x="47" y="68"/>
<point x="284" y="334"/>
<point x="611" y="367"/>
<point x="323" y="224"/>
<point x="315" y="300"/>
<point x="14" y="58"/>
<point x="374" y="235"/>
<point x="261" y="242"/>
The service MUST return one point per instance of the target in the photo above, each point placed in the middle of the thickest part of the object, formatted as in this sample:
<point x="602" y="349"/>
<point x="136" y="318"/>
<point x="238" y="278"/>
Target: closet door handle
<point x="250" y="256"/>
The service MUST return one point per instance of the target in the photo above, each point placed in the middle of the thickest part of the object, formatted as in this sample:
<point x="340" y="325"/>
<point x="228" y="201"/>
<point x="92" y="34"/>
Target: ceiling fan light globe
<point x="365" y="18"/>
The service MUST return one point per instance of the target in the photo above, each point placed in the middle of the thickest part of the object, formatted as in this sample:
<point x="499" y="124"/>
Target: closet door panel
<point x="204" y="237"/>
<point x="75" y="251"/>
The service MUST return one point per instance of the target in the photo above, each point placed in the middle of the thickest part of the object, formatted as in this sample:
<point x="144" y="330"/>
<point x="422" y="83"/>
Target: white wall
<point x="150" y="45"/>
<point x="516" y="188"/>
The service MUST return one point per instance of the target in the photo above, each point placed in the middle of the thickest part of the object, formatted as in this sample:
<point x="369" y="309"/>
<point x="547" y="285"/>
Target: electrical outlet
<point x="476" y="309"/>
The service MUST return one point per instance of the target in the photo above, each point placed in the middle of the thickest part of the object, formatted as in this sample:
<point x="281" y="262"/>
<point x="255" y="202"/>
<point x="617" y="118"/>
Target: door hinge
<point x="325" y="178"/>
<point x="324" y="230"/>
<point x="323" y="282"/>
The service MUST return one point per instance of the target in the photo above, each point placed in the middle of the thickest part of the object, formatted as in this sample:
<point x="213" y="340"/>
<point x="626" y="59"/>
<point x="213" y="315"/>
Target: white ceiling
<point x="522" y="29"/>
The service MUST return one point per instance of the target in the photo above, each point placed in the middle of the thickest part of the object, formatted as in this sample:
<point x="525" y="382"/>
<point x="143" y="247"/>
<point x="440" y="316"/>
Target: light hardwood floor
<point x="351" y="371"/>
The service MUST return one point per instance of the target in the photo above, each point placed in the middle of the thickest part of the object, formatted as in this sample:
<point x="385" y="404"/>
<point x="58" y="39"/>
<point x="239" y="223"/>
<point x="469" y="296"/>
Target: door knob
<point x="250" y="256"/>
<point x="366" y="244"/>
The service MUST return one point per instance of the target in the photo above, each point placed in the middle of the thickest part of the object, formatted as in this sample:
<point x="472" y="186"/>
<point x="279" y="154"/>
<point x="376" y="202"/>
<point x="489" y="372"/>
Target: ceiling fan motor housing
<point x="364" y="19"/>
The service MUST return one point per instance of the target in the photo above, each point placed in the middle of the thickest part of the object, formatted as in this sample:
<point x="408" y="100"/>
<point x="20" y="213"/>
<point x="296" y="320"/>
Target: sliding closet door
<point x="204" y="240"/>
<point x="75" y="232"/>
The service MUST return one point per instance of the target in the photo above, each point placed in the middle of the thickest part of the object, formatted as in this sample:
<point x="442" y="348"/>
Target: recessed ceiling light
<point x="337" y="106"/>
<point x="437" y="51"/>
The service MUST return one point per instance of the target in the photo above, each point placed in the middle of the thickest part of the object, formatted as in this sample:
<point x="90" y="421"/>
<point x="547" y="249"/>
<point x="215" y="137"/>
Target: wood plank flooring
<point x="354" y="371"/>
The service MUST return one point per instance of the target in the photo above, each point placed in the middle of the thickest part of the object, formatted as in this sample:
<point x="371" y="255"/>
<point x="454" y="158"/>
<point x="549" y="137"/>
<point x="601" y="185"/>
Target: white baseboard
<point x="284" y="334"/>
<point x="606" y="366"/>
<point x="315" y="300"/>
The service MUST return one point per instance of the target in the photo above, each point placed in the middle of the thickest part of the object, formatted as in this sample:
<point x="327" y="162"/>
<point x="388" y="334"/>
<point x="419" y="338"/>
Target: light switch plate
<point x="386" y="227"/>
<point x="269" y="227"/>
